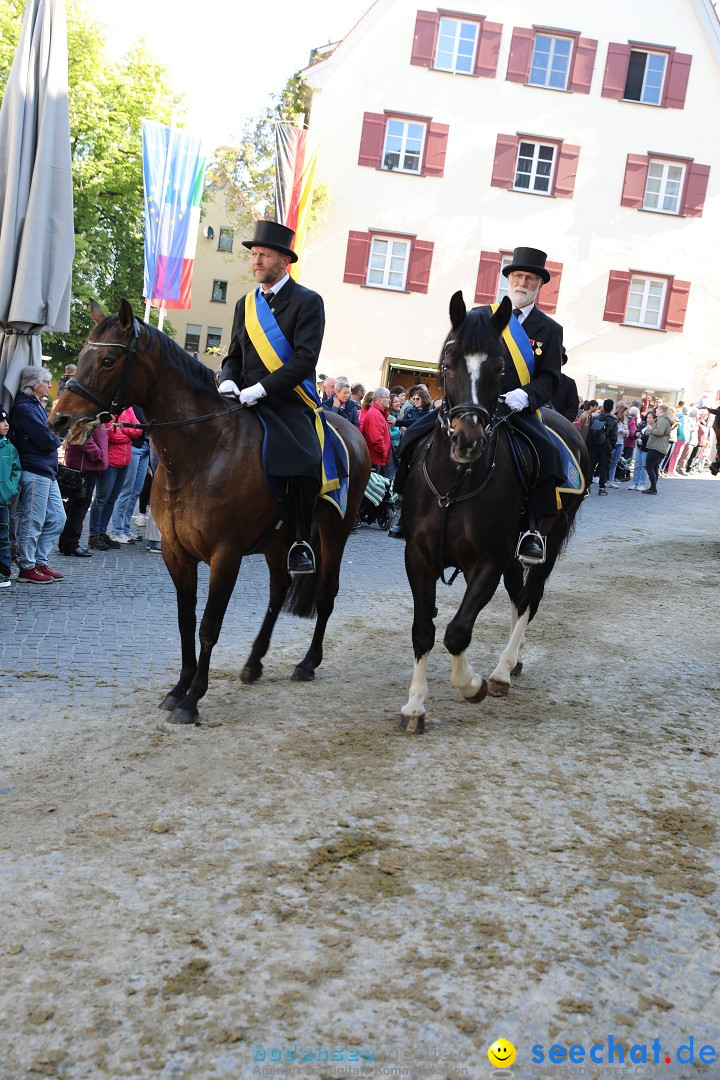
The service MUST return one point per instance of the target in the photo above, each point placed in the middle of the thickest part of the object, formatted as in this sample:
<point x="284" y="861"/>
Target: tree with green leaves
<point x="107" y="100"/>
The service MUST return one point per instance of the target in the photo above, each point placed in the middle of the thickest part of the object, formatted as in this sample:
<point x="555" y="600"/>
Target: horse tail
<point x="301" y="599"/>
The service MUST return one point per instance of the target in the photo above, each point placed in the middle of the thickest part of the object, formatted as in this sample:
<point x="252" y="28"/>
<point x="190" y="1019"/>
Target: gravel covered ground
<point x="295" y="872"/>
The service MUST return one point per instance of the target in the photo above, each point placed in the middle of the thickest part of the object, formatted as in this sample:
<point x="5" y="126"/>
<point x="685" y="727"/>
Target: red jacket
<point x="119" y="445"/>
<point x="376" y="432"/>
<point x="92" y="455"/>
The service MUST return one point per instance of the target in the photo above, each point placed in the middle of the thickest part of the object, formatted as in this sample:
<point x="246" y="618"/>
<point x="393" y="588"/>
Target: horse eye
<point x="107" y="361"/>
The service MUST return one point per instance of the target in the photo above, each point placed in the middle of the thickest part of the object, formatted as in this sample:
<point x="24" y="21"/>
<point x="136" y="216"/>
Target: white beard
<point x="521" y="296"/>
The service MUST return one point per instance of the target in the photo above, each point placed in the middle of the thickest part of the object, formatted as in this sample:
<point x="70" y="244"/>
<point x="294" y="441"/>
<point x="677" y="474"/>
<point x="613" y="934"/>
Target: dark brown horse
<point x="209" y="495"/>
<point x="463" y="507"/>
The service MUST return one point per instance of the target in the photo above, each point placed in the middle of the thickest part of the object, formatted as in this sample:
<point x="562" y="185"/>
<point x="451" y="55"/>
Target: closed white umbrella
<point x="37" y="241"/>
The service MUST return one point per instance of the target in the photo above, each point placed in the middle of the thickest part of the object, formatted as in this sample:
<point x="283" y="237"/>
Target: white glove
<point x="227" y="386"/>
<point x="252" y="395"/>
<point x="517" y="400"/>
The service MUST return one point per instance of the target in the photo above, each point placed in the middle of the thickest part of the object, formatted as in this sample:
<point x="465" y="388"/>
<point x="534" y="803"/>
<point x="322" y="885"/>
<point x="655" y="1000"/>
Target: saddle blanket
<point x="335" y="445"/>
<point x="574" y="481"/>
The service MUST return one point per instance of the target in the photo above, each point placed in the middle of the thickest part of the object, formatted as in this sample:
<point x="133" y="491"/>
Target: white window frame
<point x="406" y="122"/>
<point x="386" y="269"/>
<point x="553" y="39"/>
<point x="661" y="195"/>
<point x="454" y="53"/>
<point x="641" y="282"/>
<point x="643" y="90"/>
<point x="533" y="174"/>
<point x="503" y="283"/>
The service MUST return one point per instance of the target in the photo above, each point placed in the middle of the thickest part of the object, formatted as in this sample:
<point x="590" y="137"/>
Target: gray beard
<point x="522" y="297"/>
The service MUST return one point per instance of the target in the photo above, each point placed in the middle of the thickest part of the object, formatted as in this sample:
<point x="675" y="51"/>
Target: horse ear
<point x="97" y="312"/>
<point x="125" y="314"/>
<point x="502" y="316"/>
<point x="458" y="311"/>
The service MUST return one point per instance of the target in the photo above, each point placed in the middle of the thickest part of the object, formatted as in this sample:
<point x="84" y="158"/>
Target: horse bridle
<point x="466" y="408"/>
<point x="112" y="407"/>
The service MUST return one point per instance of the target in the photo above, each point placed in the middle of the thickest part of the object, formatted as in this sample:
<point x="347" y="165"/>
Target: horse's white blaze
<point x="463" y="677"/>
<point x="474" y="362"/>
<point x="511" y="653"/>
<point x="418" y="689"/>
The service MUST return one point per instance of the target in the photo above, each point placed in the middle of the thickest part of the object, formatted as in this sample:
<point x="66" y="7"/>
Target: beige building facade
<point x="447" y="138"/>
<point x="221" y="275"/>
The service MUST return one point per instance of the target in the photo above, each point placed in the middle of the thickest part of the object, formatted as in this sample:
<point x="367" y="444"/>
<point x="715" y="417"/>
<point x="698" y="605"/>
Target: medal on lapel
<point x="537" y="347"/>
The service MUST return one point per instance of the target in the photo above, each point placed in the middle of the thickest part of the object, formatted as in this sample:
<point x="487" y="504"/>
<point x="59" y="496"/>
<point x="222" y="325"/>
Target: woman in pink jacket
<point x="109" y="483"/>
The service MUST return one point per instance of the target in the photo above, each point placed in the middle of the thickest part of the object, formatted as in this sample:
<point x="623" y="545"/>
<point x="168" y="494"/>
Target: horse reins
<point x="111" y="409"/>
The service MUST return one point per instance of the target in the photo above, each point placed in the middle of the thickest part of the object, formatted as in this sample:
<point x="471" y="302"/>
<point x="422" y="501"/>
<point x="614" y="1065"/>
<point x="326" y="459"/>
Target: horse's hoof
<point x="413" y="725"/>
<point x="303" y="674"/>
<point x="251" y="673"/>
<point x="184" y="716"/>
<point x="169" y="702"/>
<point x="481" y="694"/>
<point x="517" y="670"/>
<point x="498" y="689"/>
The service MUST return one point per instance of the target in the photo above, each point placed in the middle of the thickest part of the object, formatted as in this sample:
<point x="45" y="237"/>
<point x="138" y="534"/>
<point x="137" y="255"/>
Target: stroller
<point x="623" y="469"/>
<point x="378" y="502"/>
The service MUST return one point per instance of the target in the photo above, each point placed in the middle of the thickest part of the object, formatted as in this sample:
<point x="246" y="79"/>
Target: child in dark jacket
<point x="9" y="486"/>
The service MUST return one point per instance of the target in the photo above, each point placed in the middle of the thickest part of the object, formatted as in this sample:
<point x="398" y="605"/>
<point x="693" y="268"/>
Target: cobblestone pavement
<point x="109" y="628"/>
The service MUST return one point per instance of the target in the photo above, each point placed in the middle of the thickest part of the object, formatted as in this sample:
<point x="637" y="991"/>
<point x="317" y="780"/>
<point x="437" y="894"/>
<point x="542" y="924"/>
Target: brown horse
<point x="463" y="507"/>
<point x="209" y="496"/>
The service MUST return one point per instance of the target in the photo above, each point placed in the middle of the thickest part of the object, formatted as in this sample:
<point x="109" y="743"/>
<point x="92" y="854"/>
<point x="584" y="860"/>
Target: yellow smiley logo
<point x="502" y="1054"/>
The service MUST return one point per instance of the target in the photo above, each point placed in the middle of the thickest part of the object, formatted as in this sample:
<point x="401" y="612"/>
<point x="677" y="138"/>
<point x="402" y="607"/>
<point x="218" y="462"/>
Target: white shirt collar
<point x="524" y="312"/>
<point x="278" y="285"/>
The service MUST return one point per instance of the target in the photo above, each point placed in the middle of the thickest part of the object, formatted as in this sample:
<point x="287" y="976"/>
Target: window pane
<point x="635" y="75"/>
<point x="533" y="171"/>
<point x="550" y="61"/>
<point x="214" y="337"/>
<point x="664" y="187"/>
<point x="455" y="50"/>
<point x="388" y="263"/>
<point x="192" y="337"/>
<point x="645" y="302"/>
<point x="219" y="291"/>
<point x="225" y="240"/>
<point x="403" y="145"/>
<point x="654" y="73"/>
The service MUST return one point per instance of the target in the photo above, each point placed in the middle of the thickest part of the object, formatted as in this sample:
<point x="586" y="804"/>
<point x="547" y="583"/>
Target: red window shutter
<point x="506" y="149"/>
<point x="357" y="258"/>
<point x="488" y="49"/>
<point x="636" y="172"/>
<point x="617" y="296"/>
<point x="488" y="279"/>
<point x="548" y="298"/>
<point x="582" y="65"/>
<point x="372" y="140"/>
<point x="677" y="305"/>
<point x="616" y="68"/>
<point x="676" y="80"/>
<point x="566" y="171"/>
<point x="418" y="276"/>
<point x="695" y="190"/>
<point x="436" y="139"/>
<point x="521" y="49"/>
<point x="426" y="28"/>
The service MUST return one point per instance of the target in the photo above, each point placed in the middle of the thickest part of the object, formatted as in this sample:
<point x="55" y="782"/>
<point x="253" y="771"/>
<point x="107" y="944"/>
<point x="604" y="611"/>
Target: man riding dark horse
<point x="276" y="337"/>
<point x="530" y="380"/>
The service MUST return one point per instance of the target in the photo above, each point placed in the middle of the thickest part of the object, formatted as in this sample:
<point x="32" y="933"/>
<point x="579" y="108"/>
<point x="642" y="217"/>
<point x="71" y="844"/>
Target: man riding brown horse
<point x="276" y="337"/>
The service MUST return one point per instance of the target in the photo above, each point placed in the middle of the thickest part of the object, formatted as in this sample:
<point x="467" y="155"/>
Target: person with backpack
<point x="602" y="438"/>
<point x="585" y="419"/>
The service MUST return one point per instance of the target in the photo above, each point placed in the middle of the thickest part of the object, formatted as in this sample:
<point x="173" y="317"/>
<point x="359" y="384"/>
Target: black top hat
<point x="272" y="235"/>
<point x="530" y="259"/>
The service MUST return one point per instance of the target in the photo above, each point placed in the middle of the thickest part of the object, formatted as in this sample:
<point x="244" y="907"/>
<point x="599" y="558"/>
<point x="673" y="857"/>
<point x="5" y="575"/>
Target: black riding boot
<point x="397" y="531"/>
<point x="301" y="558"/>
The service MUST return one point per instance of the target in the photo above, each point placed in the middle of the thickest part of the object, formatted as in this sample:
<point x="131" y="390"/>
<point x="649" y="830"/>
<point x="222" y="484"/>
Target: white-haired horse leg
<point x="414" y="711"/>
<point x="499" y="681"/>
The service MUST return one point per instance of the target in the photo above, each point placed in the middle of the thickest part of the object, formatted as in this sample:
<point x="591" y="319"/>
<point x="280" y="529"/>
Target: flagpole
<point x="161" y="316"/>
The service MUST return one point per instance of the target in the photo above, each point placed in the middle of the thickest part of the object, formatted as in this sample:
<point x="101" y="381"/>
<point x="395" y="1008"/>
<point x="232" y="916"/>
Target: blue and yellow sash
<point x="274" y="350"/>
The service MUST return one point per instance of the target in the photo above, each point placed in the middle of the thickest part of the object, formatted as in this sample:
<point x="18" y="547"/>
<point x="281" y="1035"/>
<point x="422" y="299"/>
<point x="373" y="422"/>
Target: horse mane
<point x="195" y="375"/>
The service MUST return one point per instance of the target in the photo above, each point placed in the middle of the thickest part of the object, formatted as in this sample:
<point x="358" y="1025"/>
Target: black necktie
<point x="517" y="312"/>
<point x="269" y="296"/>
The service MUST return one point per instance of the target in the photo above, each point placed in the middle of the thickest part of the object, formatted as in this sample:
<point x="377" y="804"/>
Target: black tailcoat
<point x="293" y="448"/>
<point x="546" y="336"/>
